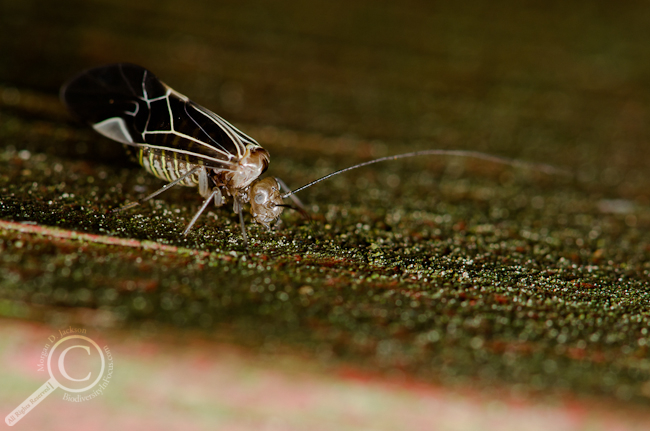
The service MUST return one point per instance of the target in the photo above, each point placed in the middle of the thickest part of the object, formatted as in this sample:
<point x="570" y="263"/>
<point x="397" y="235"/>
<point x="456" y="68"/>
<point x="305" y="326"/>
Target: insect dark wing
<point x="220" y="132"/>
<point x="179" y="124"/>
<point x="127" y="103"/>
<point x="112" y="100"/>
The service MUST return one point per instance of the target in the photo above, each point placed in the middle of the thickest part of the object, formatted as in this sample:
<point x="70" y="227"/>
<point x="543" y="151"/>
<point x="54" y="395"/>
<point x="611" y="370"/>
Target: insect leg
<point x="218" y="199"/>
<point x="206" y="202"/>
<point x="159" y="191"/>
<point x="240" y="208"/>
<point x="203" y="183"/>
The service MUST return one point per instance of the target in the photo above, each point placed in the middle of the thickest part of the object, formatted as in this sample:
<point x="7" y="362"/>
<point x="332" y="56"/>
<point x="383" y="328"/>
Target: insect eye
<point x="260" y="198"/>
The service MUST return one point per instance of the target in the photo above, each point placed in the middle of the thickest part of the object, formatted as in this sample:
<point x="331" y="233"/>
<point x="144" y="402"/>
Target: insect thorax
<point x="249" y="168"/>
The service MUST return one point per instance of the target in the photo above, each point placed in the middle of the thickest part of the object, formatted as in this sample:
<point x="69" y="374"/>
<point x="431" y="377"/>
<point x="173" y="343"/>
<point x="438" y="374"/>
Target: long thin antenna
<point x="548" y="169"/>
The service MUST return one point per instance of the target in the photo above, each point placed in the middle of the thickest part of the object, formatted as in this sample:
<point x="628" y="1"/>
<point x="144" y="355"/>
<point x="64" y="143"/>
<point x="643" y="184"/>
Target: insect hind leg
<point x="203" y="183"/>
<point x="159" y="191"/>
<point x="213" y="195"/>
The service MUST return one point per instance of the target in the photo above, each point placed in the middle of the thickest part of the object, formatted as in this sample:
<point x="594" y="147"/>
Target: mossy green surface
<point x="449" y="270"/>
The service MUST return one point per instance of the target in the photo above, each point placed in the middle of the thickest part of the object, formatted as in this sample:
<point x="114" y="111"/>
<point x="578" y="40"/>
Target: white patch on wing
<point x="115" y="129"/>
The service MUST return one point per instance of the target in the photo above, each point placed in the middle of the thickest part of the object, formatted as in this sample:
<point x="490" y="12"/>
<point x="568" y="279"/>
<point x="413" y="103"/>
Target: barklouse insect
<point x="186" y="144"/>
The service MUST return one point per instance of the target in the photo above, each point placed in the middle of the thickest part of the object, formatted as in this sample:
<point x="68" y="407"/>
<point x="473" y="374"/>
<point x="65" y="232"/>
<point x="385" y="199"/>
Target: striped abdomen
<point x="167" y="166"/>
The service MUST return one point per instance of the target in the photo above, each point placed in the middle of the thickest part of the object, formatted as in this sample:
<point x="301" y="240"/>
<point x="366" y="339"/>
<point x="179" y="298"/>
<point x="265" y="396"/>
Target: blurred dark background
<point x="566" y="83"/>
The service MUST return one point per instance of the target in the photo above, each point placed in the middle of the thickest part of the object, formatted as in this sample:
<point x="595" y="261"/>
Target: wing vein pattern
<point x="129" y="104"/>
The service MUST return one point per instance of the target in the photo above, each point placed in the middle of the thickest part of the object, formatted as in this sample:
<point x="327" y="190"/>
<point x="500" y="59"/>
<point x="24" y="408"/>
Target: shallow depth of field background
<point x="431" y="293"/>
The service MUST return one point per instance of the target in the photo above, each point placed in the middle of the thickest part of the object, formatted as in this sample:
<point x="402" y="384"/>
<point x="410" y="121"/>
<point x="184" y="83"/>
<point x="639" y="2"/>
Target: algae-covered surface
<point x="445" y="271"/>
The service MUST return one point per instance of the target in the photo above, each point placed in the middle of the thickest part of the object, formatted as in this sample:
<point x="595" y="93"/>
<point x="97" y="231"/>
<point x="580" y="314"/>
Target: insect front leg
<point x="237" y="206"/>
<point x="240" y="209"/>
